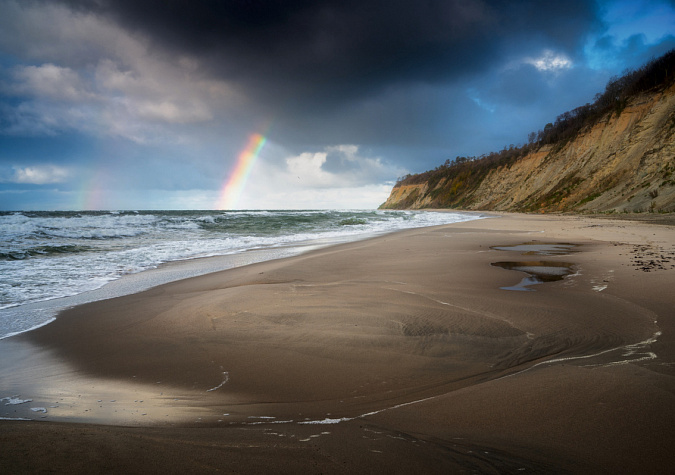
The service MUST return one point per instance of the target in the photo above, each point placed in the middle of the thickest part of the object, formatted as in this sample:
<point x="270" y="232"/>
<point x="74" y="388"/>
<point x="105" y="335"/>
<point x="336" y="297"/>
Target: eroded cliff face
<point x="625" y="163"/>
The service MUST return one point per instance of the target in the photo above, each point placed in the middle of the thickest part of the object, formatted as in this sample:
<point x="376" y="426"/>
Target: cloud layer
<point x="308" y="55"/>
<point x="162" y="96"/>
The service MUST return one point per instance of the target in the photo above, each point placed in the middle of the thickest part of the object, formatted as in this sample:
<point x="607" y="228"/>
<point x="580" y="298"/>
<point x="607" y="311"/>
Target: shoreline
<point x="163" y="273"/>
<point x="402" y="347"/>
<point x="34" y="314"/>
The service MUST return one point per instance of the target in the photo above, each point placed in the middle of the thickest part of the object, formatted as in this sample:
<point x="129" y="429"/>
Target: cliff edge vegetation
<point x="614" y="155"/>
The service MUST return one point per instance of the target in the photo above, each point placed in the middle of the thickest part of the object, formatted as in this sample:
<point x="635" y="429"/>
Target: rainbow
<point x="231" y="191"/>
<point x="91" y="194"/>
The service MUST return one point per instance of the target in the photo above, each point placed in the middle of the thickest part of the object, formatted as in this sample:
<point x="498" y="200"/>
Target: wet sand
<point x="398" y="354"/>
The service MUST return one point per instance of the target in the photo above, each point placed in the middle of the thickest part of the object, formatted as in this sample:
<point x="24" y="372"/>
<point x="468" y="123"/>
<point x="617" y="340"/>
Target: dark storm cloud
<point x="162" y="95"/>
<point x="309" y="54"/>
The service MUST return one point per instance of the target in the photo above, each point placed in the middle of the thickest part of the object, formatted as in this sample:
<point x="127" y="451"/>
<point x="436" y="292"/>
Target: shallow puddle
<point x="539" y="249"/>
<point x="537" y="272"/>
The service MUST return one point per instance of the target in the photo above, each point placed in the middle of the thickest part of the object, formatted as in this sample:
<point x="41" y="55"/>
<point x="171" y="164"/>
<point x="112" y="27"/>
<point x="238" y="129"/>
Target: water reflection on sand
<point x="537" y="272"/>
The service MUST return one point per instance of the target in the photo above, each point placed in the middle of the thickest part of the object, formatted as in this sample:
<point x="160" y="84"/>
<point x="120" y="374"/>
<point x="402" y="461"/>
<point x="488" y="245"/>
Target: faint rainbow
<point x="232" y="189"/>
<point x="90" y="195"/>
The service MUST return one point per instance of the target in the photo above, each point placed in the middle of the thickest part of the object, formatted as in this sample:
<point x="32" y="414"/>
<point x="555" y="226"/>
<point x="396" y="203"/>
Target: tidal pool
<point x="537" y="272"/>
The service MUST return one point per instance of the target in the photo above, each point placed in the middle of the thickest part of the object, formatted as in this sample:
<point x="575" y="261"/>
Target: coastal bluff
<point x="621" y="161"/>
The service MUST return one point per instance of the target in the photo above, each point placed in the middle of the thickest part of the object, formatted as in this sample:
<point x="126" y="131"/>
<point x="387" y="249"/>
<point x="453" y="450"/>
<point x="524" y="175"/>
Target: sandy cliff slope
<point x="623" y="163"/>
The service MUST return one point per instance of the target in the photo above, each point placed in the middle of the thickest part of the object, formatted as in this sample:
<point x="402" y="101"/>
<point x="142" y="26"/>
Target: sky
<point x="296" y="104"/>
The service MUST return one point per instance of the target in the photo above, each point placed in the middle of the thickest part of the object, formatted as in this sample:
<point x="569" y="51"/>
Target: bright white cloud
<point x="337" y="177"/>
<point x="550" y="61"/>
<point x="40" y="175"/>
<point x="307" y="169"/>
<point x="338" y="165"/>
<point x="356" y="197"/>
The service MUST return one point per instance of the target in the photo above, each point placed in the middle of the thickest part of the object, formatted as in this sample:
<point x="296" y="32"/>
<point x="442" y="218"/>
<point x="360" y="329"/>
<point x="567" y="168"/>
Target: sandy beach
<point x="398" y="354"/>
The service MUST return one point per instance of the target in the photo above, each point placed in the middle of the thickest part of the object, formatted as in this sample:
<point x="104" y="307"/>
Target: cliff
<point x="621" y="162"/>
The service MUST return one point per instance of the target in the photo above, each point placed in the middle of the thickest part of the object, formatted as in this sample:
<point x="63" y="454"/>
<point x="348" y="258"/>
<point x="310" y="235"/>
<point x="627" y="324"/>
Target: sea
<point x="52" y="260"/>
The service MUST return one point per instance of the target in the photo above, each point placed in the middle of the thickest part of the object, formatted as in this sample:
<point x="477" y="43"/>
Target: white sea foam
<point x="13" y="400"/>
<point x="46" y="256"/>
